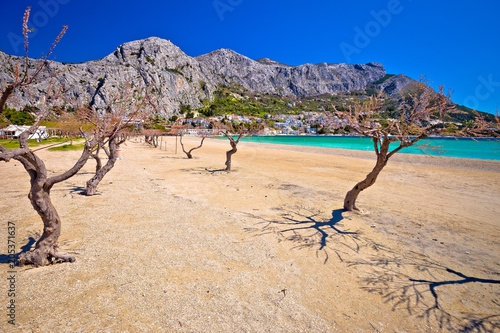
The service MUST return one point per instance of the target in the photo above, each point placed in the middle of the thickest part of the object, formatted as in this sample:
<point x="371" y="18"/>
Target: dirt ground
<point x="172" y="244"/>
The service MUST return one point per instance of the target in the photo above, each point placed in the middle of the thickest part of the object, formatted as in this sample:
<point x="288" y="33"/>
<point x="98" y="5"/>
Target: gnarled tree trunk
<point x="382" y="158"/>
<point x="352" y="195"/>
<point x="45" y="251"/>
<point x="114" y="144"/>
<point x="98" y="160"/>
<point x="189" y="152"/>
<point x="151" y="140"/>
<point x="230" y="153"/>
<point x="46" y="247"/>
<point x="233" y="150"/>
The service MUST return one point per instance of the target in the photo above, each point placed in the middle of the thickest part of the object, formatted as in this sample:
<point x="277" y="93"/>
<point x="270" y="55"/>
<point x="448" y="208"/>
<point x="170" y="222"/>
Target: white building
<point x="13" y="132"/>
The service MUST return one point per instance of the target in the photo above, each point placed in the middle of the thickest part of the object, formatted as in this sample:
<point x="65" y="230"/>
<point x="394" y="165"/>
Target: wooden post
<point x="176" y="144"/>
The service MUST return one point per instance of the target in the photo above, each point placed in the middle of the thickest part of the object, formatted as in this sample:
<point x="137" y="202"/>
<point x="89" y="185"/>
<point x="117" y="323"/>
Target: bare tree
<point x="151" y="137"/>
<point x="124" y="109"/>
<point x="421" y="114"/>
<point x="114" y="142"/>
<point x="231" y="130"/>
<point x="481" y="127"/>
<point x="189" y="152"/>
<point x="41" y="184"/>
<point x="46" y="248"/>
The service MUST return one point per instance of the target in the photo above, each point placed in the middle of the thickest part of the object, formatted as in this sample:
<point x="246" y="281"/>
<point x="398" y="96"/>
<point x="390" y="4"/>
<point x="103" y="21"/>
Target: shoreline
<point x="414" y="159"/>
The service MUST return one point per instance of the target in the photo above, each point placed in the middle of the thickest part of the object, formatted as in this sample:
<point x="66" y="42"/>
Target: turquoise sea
<point x="484" y="149"/>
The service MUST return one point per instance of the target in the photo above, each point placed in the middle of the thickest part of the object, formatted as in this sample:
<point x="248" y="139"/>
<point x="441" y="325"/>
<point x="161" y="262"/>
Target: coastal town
<point x="305" y="123"/>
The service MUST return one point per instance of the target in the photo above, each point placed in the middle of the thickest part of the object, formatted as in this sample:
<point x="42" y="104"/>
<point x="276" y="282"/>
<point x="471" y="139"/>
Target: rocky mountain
<point x="184" y="80"/>
<point x="268" y="76"/>
<point x="396" y="84"/>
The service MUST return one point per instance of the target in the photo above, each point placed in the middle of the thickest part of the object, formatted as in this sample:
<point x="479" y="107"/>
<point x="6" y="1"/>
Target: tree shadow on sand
<point x="309" y="230"/>
<point x="79" y="190"/>
<point x="4" y="258"/>
<point x="434" y="292"/>
<point x="204" y="170"/>
<point x="422" y="287"/>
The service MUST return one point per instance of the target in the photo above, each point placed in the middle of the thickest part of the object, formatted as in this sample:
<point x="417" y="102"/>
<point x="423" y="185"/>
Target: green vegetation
<point x="237" y="100"/>
<point x="173" y="70"/>
<point x="385" y="78"/>
<point x="185" y="109"/>
<point x="79" y="146"/>
<point x="151" y="61"/>
<point x="467" y="114"/>
<point x="19" y="117"/>
<point x="9" y="144"/>
<point x="156" y="122"/>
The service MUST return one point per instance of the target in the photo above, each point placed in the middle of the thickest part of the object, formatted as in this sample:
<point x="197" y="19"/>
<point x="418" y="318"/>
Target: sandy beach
<point x="172" y="244"/>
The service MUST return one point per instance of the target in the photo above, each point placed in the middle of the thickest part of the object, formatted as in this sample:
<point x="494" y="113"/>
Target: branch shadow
<point x="450" y="298"/>
<point x="214" y="171"/>
<point x="78" y="190"/>
<point x="422" y="291"/>
<point x="309" y="230"/>
<point x="201" y="170"/>
<point x="175" y="157"/>
<point x="4" y="258"/>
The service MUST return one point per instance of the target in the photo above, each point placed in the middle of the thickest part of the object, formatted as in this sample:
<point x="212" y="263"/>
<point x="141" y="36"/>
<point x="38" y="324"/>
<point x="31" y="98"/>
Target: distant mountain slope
<point x="267" y="76"/>
<point x="185" y="80"/>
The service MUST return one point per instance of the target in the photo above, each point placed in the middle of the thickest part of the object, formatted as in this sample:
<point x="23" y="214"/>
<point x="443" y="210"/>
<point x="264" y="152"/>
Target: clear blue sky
<point x="455" y="43"/>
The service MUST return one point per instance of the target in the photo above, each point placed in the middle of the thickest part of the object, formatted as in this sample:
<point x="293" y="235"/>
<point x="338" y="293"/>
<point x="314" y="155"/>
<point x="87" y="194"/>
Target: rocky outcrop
<point x="268" y="76"/>
<point x="397" y="84"/>
<point x="152" y="62"/>
<point x="181" y="79"/>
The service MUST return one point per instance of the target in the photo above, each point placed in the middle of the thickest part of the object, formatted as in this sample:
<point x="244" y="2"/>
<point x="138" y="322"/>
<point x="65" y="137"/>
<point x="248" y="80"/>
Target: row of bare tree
<point x="233" y="131"/>
<point x="103" y="130"/>
<point x="422" y="113"/>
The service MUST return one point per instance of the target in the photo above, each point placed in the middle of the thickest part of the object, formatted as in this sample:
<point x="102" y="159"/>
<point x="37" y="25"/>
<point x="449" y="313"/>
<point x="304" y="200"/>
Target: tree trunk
<point x="229" y="154"/>
<point x="100" y="173"/>
<point x="98" y="160"/>
<point x="46" y="247"/>
<point x="352" y="195"/>
<point x="189" y="153"/>
<point x="152" y="140"/>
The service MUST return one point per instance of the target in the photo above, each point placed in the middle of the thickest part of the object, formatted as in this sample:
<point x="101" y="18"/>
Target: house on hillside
<point x="13" y="132"/>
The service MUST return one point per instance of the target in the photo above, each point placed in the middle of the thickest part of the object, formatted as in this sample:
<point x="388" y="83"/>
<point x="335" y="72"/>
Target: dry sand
<point x="172" y="244"/>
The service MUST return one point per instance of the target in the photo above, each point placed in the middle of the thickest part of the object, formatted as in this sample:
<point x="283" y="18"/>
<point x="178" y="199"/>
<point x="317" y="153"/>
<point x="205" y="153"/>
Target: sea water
<point x="482" y="148"/>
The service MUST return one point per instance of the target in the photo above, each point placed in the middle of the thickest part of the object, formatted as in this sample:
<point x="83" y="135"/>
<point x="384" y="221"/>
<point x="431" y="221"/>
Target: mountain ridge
<point x="185" y="80"/>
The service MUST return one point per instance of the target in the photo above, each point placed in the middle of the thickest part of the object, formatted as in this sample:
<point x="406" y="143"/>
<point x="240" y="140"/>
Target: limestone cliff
<point x="181" y="79"/>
